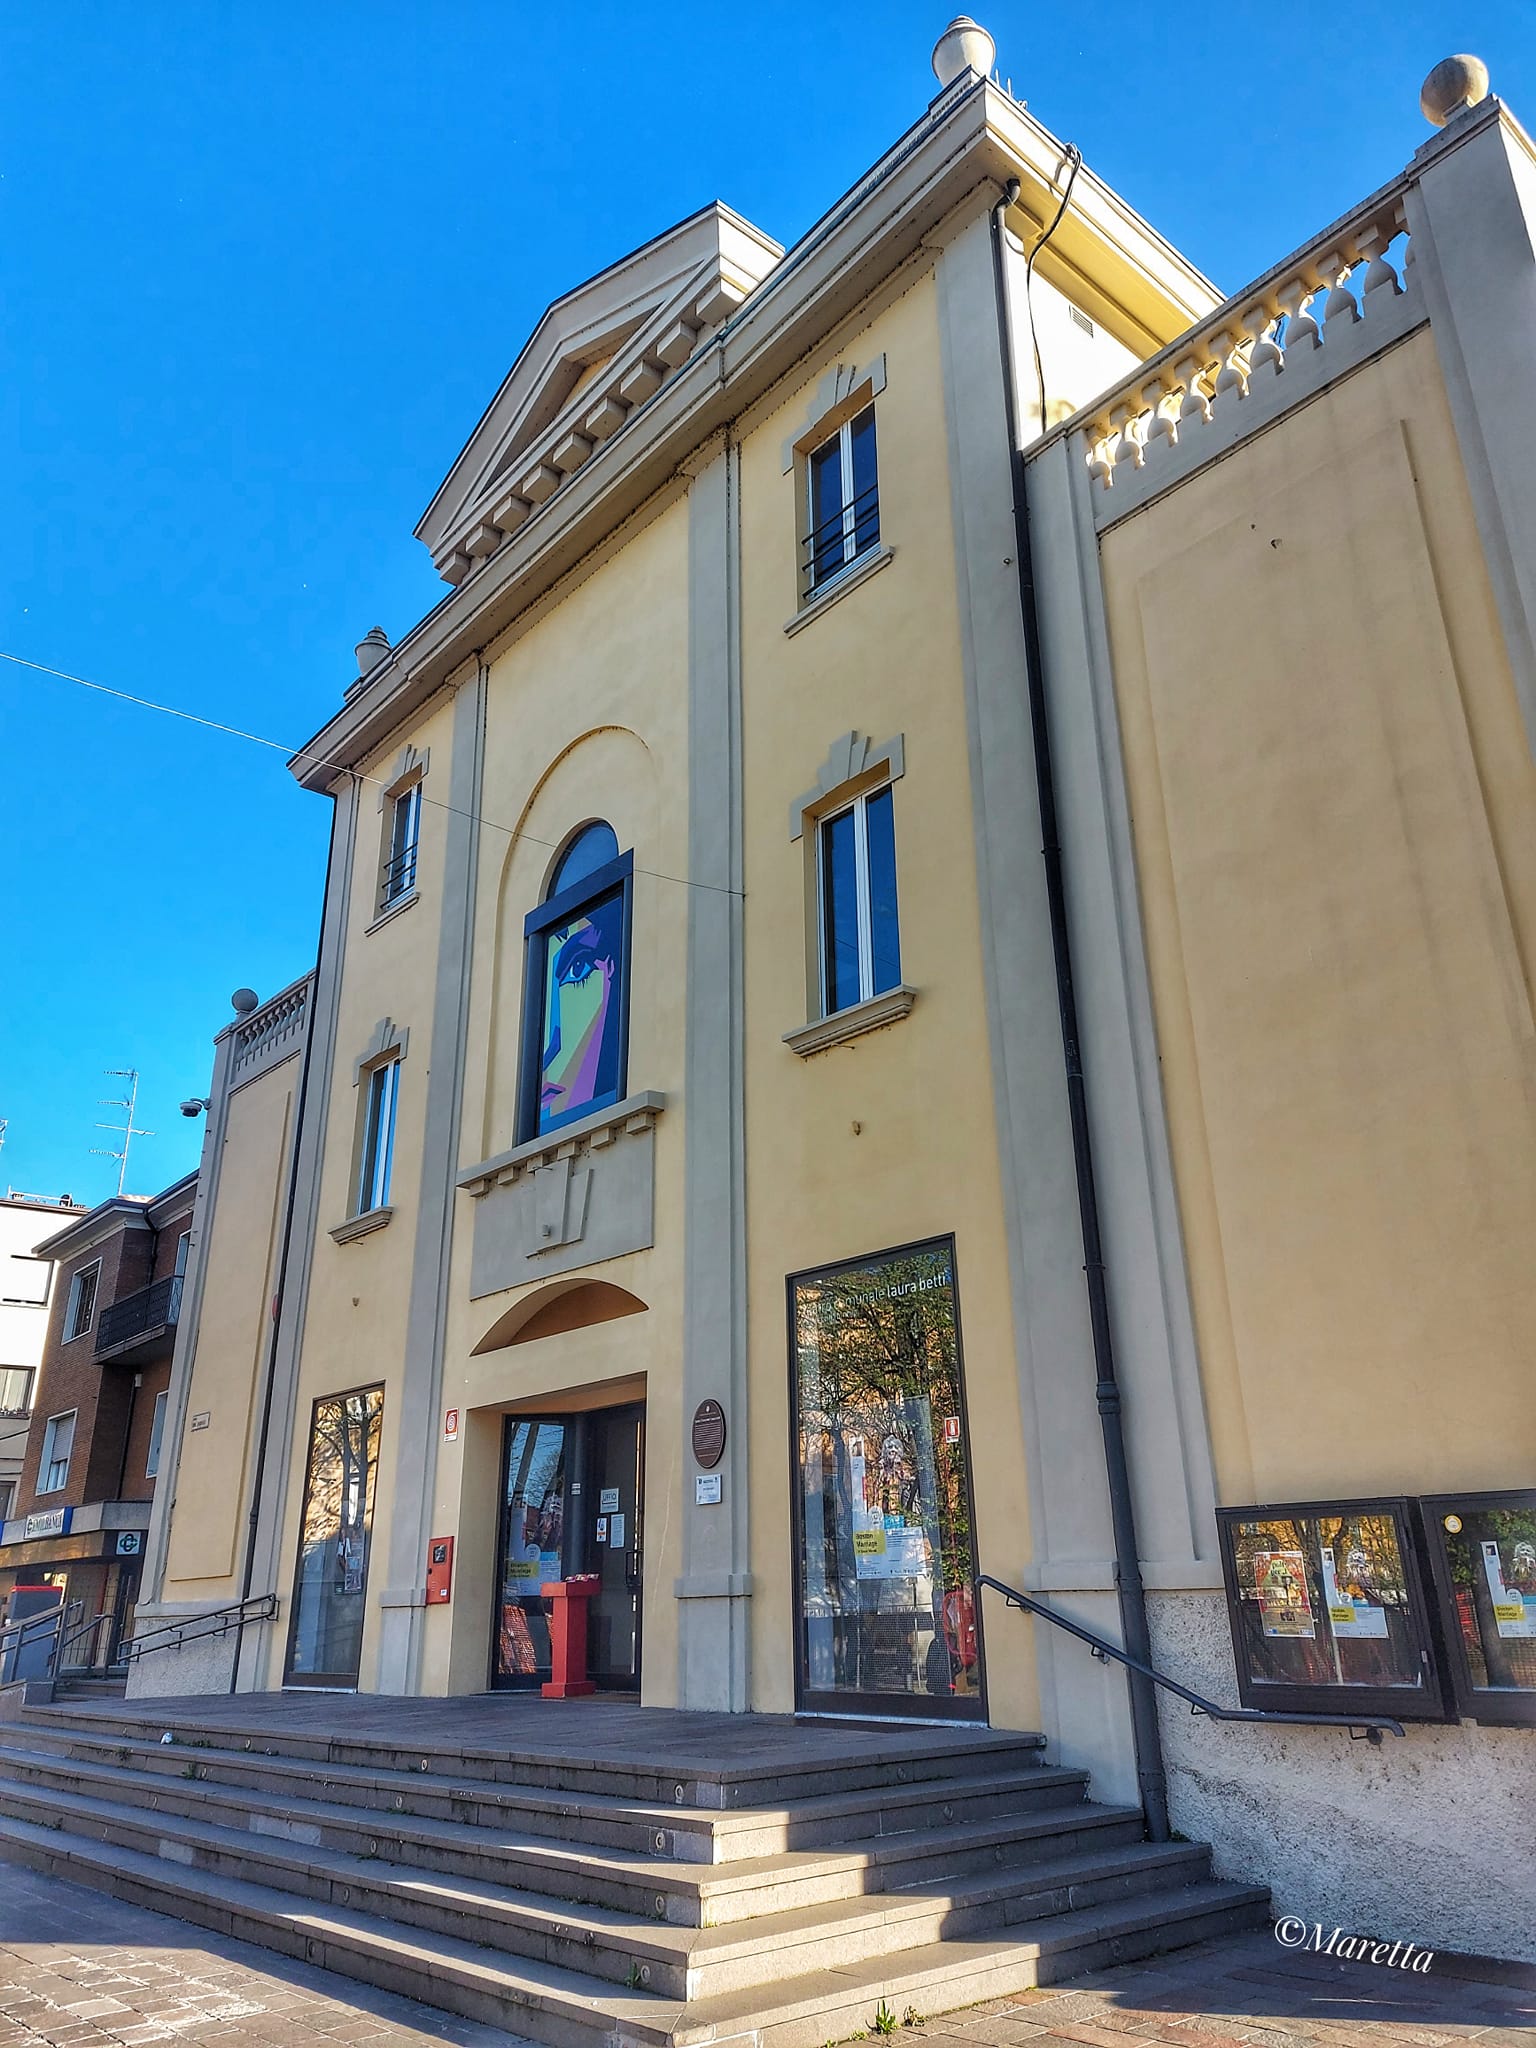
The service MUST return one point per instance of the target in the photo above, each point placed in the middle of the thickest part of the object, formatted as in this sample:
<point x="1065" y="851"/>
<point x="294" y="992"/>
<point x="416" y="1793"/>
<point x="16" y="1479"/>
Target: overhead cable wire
<point x="257" y="739"/>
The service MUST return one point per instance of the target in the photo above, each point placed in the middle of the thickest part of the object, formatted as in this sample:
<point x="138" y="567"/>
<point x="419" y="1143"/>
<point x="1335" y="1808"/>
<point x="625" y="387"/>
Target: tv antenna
<point x="128" y="1130"/>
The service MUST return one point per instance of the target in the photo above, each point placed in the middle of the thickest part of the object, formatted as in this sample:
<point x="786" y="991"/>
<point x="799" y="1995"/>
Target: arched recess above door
<point x="562" y="1305"/>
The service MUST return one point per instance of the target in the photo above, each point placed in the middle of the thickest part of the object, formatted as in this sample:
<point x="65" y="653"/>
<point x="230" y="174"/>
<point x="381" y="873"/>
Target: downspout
<point x="248" y="1570"/>
<point x="1150" y="1773"/>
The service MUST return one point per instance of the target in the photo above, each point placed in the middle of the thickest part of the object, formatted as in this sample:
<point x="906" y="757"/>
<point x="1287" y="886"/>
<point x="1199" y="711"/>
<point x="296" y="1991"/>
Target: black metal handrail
<point x="217" y="1622"/>
<point x="47" y="1618"/>
<point x="400" y="873"/>
<point x="862" y="513"/>
<point x="152" y="1308"/>
<point x="1367" y="1727"/>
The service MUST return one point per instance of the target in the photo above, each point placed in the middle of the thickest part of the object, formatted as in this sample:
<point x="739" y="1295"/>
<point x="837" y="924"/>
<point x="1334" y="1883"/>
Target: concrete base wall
<point x="202" y="1665"/>
<point x="1427" y="1839"/>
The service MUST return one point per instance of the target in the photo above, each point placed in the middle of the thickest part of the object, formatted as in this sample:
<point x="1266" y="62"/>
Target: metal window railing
<point x="841" y="537"/>
<point x="1362" y="1727"/>
<point x="399" y="873"/>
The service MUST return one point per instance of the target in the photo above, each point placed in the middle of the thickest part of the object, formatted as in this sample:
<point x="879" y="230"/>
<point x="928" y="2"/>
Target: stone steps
<point x="568" y="2009"/>
<point x="688" y="1894"/>
<point x="639" y="1890"/>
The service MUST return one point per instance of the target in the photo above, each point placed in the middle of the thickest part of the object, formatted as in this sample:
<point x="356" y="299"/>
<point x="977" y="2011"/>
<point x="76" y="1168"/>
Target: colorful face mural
<point x="582" y="1021"/>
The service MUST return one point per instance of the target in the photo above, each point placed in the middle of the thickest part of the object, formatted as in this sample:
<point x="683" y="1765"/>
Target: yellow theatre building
<point x="719" y="1157"/>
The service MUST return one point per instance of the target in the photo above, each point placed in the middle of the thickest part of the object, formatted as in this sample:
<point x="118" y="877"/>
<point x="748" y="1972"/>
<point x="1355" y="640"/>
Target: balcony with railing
<point x="141" y="1326"/>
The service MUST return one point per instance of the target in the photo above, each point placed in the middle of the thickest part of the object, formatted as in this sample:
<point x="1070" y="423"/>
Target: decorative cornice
<point x="602" y="1127"/>
<point x="849" y="759"/>
<point x="875" y="1015"/>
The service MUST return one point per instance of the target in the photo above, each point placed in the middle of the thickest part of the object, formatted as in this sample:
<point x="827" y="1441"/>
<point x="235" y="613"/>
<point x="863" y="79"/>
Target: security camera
<point x="194" y="1105"/>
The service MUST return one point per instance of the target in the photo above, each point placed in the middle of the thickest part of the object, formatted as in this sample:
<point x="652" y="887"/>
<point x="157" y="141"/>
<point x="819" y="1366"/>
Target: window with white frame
<point x="15" y="1390"/>
<point x="398" y="877"/>
<point x="27" y="1280"/>
<point x="843" y="488"/>
<point x="856" y="891"/>
<point x="156" y="1433"/>
<point x="58" y="1443"/>
<point x="80" y="1311"/>
<point x="183" y="1249"/>
<point x="378" y="1136"/>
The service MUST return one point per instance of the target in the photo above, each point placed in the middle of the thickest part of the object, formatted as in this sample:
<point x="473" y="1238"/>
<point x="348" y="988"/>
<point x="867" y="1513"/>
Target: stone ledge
<point x="887" y="1008"/>
<point x="394" y="909"/>
<point x="360" y="1226"/>
<point x="635" y="1112"/>
<point x="847" y="579"/>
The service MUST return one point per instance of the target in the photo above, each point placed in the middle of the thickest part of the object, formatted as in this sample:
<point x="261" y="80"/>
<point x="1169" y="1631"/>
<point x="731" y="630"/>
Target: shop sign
<point x="51" y="1522"/>
<point x="130" y="1542"/>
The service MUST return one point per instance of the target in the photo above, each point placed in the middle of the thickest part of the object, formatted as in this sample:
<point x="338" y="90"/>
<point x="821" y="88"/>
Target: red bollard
<point x="568" y="1636"/>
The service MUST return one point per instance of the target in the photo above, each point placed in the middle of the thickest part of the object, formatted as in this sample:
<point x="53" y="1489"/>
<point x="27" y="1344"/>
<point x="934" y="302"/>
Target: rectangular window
<point x="58" y="1442"/>
<point x="81" y="1310"/>
<point x="1328" y="1609"/>
<point x="15" y="1390"/>
<point x="844" y="499"/>
<point x="888" y="1617"/>
<point x="156" y="1433"/>
<point x="26" y="1280"/>
<point x="860" y="943"/>
<point x="400" y="861"/>
<point x="330" y="1582"/>
<point x="183" y="1248"/>
<point x="7" y="1499"/>
<point x="378" y="1137"/>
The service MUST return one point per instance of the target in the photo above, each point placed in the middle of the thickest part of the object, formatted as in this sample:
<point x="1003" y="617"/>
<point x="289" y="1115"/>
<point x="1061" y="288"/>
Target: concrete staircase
<point x="593" y="1899"/>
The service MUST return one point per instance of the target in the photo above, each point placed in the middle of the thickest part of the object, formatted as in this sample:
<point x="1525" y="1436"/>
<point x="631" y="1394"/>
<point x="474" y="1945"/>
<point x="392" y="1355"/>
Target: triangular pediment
<point x="598" y="353"/>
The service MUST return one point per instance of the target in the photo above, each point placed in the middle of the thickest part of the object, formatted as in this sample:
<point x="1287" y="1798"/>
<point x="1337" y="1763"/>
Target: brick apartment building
<point x="87" y="1482"/>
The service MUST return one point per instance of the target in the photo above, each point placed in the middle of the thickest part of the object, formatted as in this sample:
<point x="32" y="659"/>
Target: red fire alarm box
<point x="439" y="1570"/>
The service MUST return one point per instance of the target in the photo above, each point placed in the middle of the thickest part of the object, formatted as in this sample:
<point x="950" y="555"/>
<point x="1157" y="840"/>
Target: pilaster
<point x="713" y="1627"/>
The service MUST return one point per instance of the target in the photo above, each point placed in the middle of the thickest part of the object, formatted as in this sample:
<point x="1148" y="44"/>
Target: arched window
<point x="576" y="1003"/>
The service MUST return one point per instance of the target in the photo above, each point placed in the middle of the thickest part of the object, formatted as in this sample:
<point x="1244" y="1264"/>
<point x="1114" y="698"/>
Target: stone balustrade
<point x="1307" y="314"/>
<point x="273" y="1031"/>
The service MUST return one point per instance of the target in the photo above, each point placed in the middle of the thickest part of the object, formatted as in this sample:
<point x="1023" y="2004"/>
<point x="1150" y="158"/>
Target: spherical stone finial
<point x="371" y="649"/>
<point x="243" y="1001"/>
<point x="964" y="46"/>
<point x="1455" y="82"/>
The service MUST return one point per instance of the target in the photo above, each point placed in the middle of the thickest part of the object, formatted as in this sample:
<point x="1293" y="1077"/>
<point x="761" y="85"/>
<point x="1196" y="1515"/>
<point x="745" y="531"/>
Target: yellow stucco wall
<point x="891" y="1137"/>
<point x="354" y="1327"/>
<point x="234" y="1328"/>
<point x="1334" y="807"/>
<point x="586" y="717"/>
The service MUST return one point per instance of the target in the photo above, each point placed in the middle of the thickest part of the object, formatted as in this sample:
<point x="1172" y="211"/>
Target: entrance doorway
<point x="571" y="1502"/>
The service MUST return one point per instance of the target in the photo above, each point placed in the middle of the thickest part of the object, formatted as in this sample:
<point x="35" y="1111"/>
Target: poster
<point x="1514" y="1607"/>
<point x="1352" y="1614"/>
<point x="616" y="1532"/>
<point x="1280" y="1581"/>
<point x="889" y="1540"/>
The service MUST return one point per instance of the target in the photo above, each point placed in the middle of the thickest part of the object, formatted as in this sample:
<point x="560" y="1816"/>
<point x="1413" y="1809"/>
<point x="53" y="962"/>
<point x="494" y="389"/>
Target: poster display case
<point x="1482" y="1556"/>
<point x="1329" y="1609"/>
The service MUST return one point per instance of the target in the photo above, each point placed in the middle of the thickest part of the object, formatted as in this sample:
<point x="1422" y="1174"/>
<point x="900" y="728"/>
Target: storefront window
<point x="887" y="1568"/>
<point x="326" y="1638"/>
<point x="1327" y="1609"/>
<point x="533" y="1541"/>
<point x="1483" y="1551"/>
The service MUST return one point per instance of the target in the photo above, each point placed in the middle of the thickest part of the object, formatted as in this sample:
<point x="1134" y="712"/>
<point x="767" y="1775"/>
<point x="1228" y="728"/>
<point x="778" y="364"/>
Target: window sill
<point x="635" y="1112"/>
<point x="391" y="910"/>
<point x="827" y="594"/>
<point x="360" y="1226"/>
<point x="887" y="1008"/>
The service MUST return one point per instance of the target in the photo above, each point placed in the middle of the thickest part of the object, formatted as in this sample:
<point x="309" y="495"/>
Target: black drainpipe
<point x="1150" y="1773"/>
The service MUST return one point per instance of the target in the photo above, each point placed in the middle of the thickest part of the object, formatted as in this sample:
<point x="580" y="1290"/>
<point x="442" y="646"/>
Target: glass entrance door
<point x="570" y="1502"/>
<point x="325" y="1636"/>
<point x="887" y="1568"/>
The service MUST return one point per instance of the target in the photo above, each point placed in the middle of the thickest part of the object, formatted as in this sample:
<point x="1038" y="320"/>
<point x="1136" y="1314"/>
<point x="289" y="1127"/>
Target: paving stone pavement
<point x="1244" y="1991"/>
<point x="81" y="1970"/>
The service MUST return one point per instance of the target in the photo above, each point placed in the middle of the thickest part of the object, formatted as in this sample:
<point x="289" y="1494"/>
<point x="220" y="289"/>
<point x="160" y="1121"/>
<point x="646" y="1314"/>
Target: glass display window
<point x="1482" y="1553"/>
<point x="1328" y="1609"/>
<point x="885" y="1552"/>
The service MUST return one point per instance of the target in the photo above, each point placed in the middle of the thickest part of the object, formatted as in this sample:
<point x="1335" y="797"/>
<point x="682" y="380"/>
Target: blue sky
<point x="264" y="266"/>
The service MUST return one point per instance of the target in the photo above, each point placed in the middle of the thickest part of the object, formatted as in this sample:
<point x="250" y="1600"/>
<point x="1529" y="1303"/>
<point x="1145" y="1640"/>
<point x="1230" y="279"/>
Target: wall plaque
<point x="709" y="1433"/>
